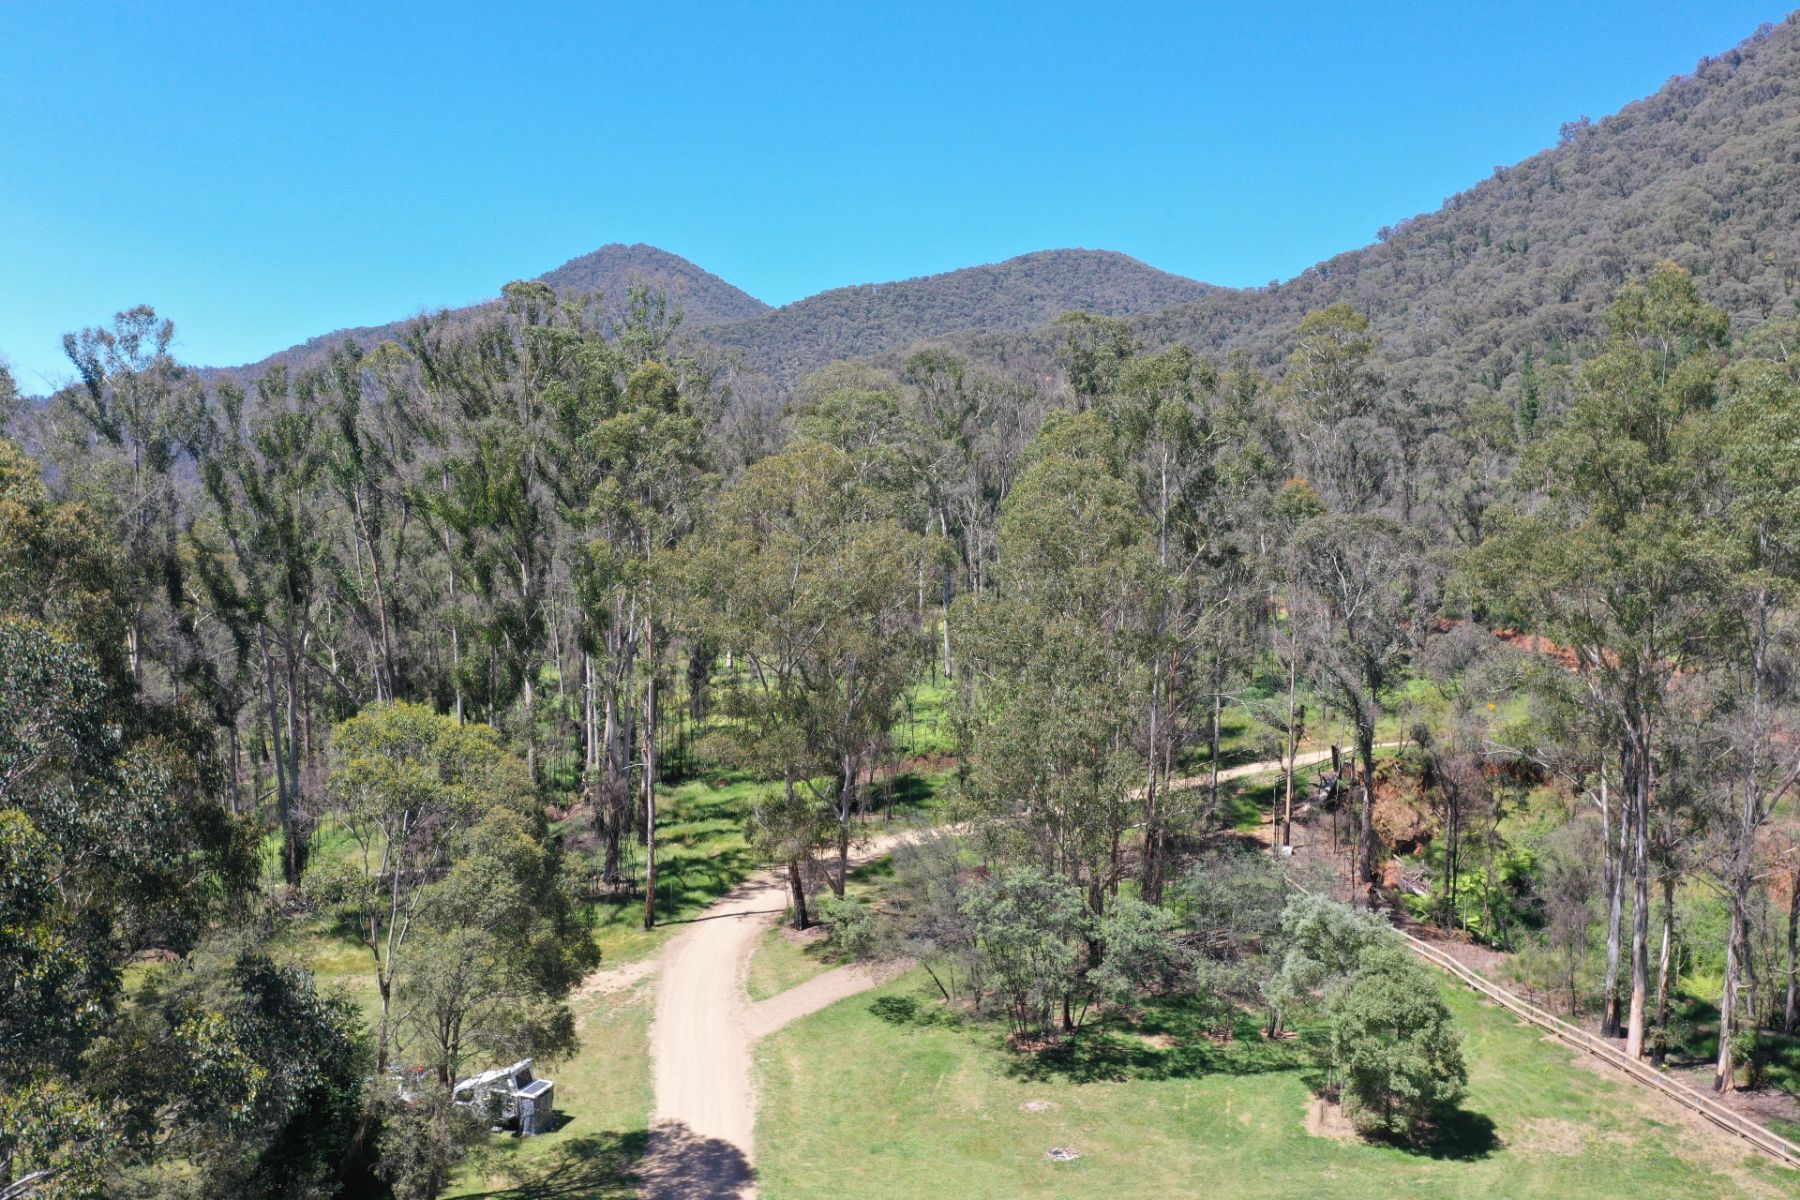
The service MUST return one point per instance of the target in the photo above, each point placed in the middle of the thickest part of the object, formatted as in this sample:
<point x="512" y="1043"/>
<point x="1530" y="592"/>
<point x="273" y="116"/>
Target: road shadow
<point x="683" y="1165"/>
<point x="600" y="1166"/>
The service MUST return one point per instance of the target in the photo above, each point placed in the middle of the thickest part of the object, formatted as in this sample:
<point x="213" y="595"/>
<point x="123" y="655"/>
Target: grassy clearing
<point x="783" y="959"/>
<point x="889" y="1094"/>
<point x="604" y="1096"/>
<point x="924" y="728"/>
<point x="701" y="854"/>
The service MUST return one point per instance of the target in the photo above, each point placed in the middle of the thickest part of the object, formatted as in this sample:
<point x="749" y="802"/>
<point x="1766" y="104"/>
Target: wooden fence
<point x="1762" y="1138"/>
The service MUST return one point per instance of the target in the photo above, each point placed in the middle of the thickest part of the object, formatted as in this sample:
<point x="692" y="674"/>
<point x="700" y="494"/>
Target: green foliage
<point x="1028" y="928"/>
<point x="1323" y="944"/>
<point x="422" y="1138"/>
<point x="1138" y="951"/>
<point x="1232" y="902"/>
<point x="1392" y="1042"/>
<point x="851" y="923"/>
<point x="270" y="1072"/>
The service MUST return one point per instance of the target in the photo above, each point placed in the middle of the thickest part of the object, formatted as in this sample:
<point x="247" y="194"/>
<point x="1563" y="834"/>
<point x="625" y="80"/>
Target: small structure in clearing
<point x="510" y="1096"/>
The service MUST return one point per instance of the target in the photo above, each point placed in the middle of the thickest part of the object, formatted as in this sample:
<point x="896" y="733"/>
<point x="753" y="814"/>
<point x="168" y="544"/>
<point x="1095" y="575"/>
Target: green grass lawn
<point x="604" y="1097"/>
<point x="891" y="1095"/>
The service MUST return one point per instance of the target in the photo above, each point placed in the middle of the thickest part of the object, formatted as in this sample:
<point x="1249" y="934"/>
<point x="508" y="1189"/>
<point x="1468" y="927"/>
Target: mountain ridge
<point x="1704" y="172"/>
<point x="608" y="273"/>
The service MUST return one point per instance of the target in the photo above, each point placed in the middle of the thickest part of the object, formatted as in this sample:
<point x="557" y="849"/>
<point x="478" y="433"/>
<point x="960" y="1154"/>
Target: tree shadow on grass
<point x="1168" y="1039"/>
<point x="686" y="886"/>
<point x="598" y="1165"/>
<point x="917" y="1013"/>
<point x="906" y="794"/>
<point x="1457" y="1135"/>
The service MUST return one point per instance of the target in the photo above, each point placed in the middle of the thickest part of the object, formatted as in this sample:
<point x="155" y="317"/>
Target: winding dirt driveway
<point x="702" y="1134"/>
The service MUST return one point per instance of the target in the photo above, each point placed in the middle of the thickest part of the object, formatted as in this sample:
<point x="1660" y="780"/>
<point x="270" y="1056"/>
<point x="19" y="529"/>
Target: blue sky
<point x="262" y="173"/>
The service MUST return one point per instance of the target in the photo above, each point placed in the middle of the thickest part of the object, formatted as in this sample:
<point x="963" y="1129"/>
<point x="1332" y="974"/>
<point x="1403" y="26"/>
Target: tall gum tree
<point x="1617" y="563"/>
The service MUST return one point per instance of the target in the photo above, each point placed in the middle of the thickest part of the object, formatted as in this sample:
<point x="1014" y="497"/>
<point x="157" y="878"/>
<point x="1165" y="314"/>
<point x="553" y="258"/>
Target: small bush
<point x="851" y="924"/>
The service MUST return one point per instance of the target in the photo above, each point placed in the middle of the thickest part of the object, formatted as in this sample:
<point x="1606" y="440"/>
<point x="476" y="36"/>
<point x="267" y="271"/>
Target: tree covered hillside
<point x="605" y="277"/>
<point x="1706" y="173"/>
<point x="858" y="322"/>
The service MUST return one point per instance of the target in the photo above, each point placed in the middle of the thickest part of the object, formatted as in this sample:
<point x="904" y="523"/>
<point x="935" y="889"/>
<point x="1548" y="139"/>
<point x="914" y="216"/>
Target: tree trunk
<point x="1365" y="749"/>
<point x="649" y="736"/>
<point x="949" y="568"/>
<point x="798" y="887"/>
<point x="1790" y="1020"/>
<point x="1293" y="747"/>
<point x="1665" y="963"/>
<point x="1640" y="894"/>
<point x="1212" y="784"/>
<point x="1615" y="915"/>
<point x="1736" y="941"/>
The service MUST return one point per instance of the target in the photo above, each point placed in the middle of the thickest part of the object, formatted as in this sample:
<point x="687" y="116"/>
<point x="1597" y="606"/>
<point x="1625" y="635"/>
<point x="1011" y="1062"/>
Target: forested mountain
<point x="608" y="274"/>
<point x="779" y="345"/>
<point x="704" y="298"/>
<point x="869" y="319"/>
<point x="1706" y="173"/>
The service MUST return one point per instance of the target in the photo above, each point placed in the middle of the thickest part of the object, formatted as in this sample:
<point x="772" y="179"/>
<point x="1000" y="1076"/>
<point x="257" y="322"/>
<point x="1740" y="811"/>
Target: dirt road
<point x="1305" y="758"/>
<point x="704" y="1121"/>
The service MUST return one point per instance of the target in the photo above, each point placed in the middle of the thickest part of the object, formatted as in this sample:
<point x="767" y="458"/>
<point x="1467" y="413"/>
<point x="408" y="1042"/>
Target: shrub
<point x="851" y="924"/>
<point x="1028" y="928"/>
<point x="1323" y="944"/>
<point x="1392" y="1043"/>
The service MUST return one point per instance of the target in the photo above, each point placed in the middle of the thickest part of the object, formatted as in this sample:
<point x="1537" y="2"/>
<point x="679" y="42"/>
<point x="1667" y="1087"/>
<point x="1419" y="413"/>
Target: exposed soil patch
<point x="1038" y="1106"/>
<point x="807" y="936"/>
<point x="1458" y="944"/>
<point x="1325" y="1118"/>
<point x="616" y="979"/>
<point x="1762" y="1105"/>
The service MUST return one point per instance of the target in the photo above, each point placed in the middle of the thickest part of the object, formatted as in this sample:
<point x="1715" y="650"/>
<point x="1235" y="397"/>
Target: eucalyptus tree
<point x="497" y="383"/>
<point x="1757" y="434"/>
<point x="113" y="845"/>
<point x="802" y="573"/>
<point x="139" y="407"/>
<point x="258" y="559"/>
<point x="1336" y="396"/>
<point x="1055" y="665"/>
<point x="647" y="445"/>
<point x="1093" y="351"/>
<point x="369" y="438"/>
<point x="1157" y="410"/>
<point x="1358" y="592"/>
<point x="456" y="893"/>
<point x="1619" y="565"/>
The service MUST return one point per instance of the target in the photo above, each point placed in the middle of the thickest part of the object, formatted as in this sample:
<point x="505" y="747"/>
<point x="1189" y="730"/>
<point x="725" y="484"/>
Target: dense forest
<point x="407" y="639"/>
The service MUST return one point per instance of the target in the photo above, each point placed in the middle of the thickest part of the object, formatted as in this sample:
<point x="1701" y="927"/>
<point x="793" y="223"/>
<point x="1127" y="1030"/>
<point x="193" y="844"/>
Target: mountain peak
<point x="610" y="271"/>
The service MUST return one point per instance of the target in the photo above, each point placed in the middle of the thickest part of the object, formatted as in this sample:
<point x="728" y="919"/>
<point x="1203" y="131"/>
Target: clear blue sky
<point x="265" y="172"/>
